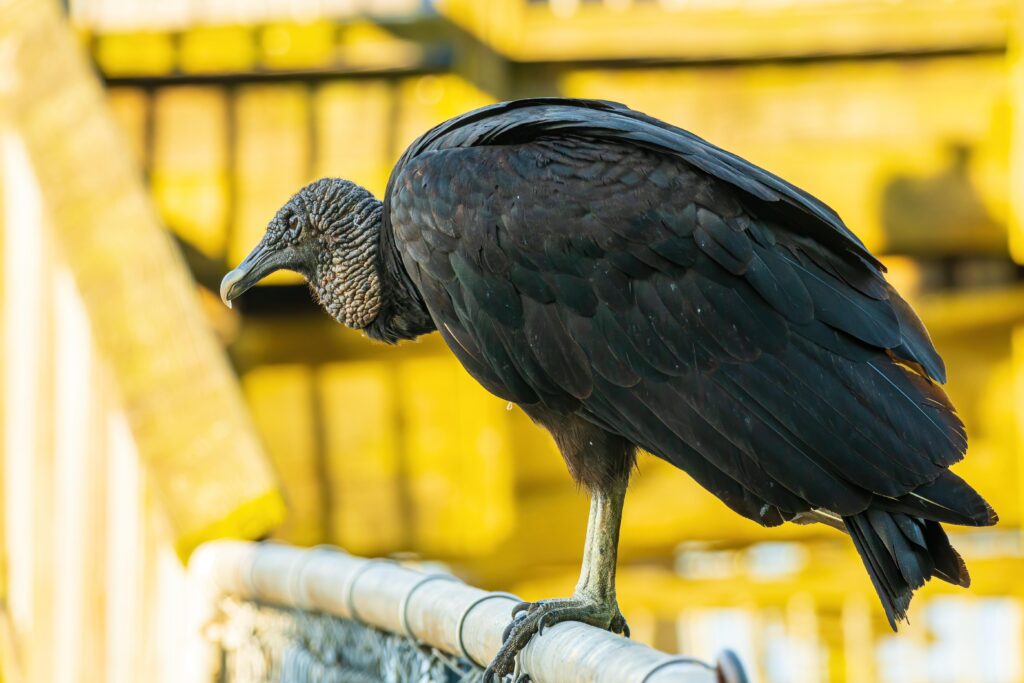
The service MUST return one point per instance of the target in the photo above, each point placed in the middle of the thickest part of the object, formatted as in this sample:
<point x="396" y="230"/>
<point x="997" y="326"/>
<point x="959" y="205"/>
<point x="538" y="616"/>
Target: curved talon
<point x="517" y="616"/>
<point x="523" y="678"/>
<point x="619" y="625"/>
<point x="553" y="617"/>
<point x="541" y="622"/>
<point x="508" y="631"/>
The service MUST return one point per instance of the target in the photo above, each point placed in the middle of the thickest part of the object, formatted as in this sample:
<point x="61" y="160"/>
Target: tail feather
<point x="947" y="498"/>
<point x="900" y="553"/>
<point x="949" y="566"/>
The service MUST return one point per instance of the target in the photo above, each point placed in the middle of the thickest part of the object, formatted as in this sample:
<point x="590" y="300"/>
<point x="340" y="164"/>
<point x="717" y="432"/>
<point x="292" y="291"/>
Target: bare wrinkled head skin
<point x="328" y="232"/>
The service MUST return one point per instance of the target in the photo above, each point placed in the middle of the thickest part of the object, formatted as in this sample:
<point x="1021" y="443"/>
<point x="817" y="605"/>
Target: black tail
<point x="903" y="545"/>
<point x="900" y="553"/>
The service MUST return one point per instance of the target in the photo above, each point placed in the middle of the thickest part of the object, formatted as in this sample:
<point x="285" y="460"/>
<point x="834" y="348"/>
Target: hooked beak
<point x="261" y="262"/>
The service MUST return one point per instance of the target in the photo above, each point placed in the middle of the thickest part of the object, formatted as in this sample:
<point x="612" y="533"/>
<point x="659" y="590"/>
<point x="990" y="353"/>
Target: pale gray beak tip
<point x="227" y="285"/>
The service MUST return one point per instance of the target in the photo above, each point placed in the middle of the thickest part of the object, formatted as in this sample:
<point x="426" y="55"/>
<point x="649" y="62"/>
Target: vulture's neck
<point x="402" y="314"/>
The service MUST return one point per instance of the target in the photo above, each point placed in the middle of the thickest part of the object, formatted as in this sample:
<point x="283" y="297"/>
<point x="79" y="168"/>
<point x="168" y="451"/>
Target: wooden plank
<point x="560" y="31"/>
<point x="369" y="508"/>
<point x="178" y="393"/>
<point x="189" y="165"/>
<point x="1017" y="140"/>
<point x="282" y="401"/>
<point x="28" y="408"/>
<point x="353" y="132"/>
<point x="458" y="461"/>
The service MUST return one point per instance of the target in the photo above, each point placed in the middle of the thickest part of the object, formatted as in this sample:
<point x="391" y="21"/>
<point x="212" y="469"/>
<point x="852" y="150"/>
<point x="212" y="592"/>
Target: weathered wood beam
<point x="181" y="399"/>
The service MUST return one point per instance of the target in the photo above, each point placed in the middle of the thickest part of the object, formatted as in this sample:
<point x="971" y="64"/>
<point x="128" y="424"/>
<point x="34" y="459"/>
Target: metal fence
<point x="279" y="613"/>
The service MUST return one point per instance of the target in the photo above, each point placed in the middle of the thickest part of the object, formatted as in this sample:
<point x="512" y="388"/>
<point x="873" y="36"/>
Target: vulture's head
<point x="328" y="233"/>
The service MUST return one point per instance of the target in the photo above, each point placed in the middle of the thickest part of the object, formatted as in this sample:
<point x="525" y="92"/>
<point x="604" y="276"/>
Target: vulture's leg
<point x="593" y="601"/>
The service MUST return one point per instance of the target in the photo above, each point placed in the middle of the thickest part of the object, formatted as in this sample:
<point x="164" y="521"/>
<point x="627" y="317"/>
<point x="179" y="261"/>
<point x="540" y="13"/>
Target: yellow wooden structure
<point x="868" y="106"/>
<point x="905" y="115"/>
<point x="124" y="428"/>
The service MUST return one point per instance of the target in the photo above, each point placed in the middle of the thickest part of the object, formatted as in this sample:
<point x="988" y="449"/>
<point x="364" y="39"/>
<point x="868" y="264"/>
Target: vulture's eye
<point x="294" y="227"/>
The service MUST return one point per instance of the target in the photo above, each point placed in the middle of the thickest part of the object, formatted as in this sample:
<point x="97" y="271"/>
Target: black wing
<point x="529" y="119"/>
<point x="625" y="284"/>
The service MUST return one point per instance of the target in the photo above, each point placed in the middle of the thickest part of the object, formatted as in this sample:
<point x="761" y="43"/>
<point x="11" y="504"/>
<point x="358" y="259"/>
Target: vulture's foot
<point x="531" y="618"/>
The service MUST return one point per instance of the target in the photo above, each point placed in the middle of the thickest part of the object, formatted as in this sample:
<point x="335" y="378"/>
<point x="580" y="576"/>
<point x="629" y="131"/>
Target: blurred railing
<point x="435" y="610"/>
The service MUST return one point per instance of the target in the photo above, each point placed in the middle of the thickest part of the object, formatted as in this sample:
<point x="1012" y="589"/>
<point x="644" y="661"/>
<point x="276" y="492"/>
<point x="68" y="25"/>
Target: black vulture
<point x="632" y="286"/>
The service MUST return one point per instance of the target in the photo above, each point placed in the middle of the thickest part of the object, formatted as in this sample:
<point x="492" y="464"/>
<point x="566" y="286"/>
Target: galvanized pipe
<point x="429" y="608"/>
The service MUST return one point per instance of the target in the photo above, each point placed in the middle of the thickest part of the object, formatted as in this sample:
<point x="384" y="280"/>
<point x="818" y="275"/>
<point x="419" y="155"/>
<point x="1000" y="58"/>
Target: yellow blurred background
<point x="127" y="441"/>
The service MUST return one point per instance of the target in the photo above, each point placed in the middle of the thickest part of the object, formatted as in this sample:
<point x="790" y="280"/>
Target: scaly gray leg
<point x="593" y="602"/>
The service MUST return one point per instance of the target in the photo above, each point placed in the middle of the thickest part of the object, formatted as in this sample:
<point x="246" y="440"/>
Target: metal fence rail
<point x="435" y="610"/>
